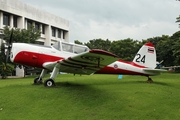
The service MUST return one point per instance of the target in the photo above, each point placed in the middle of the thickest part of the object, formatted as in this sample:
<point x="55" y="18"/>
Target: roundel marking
<point x="115" y="66"/>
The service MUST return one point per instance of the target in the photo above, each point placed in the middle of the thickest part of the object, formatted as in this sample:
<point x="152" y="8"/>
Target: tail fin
<point x="146" y="56"/>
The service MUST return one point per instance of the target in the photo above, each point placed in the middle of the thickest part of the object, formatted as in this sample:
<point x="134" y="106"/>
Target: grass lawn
<point x="95" y="97"/>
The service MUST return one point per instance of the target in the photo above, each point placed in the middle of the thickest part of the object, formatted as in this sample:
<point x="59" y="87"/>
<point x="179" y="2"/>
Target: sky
<point x="114" y="19"/>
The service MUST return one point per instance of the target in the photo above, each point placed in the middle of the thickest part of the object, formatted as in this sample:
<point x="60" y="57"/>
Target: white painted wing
<point x="85" y="63"/>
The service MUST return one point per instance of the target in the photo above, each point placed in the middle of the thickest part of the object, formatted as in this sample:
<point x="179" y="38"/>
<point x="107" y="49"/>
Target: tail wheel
<point x="149" y="80"/>
<point x="49" y="83"/>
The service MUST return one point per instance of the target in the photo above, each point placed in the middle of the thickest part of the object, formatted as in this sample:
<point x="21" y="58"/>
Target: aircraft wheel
<point x="149" y="80"/>
<point x="49" y="83"/>
<point x="37" y="81"/>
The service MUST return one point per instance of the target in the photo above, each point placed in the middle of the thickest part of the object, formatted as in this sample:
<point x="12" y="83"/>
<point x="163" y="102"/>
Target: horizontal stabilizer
<point x="154" y="71"/>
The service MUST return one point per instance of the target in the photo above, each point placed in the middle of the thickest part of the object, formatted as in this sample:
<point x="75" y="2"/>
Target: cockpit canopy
<point x="70" y="47"/>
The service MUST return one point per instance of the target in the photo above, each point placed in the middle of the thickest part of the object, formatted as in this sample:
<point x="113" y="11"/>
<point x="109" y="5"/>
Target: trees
<point x="163" y="47"/>
<point x="22" y="35"/>
<point x="19" y="35"/>
<point x="78" y="42"/>
<point x="178" y="20"/>
<point x="167" y="47"/>
<point x="126" y="49"/>
<point x="5" y="68"/>
<point x="99" y="44"/>
<point x="175" y="38"/>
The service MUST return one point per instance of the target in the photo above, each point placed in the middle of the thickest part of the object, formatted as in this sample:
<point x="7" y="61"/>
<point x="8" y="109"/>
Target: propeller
<point x="158" y="66"/>
<point x="8" y="47"/>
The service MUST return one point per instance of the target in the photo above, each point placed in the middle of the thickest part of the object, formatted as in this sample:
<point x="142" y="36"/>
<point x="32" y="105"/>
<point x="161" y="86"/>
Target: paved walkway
<point x="14" y="77"/>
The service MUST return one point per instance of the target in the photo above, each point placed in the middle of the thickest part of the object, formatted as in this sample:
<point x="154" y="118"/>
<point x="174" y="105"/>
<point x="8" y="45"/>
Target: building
<point x="17" y="14"/>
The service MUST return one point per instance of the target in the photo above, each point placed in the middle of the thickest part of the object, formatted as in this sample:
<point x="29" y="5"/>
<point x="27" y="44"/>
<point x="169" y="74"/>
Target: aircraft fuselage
<point x="36" y="55"/>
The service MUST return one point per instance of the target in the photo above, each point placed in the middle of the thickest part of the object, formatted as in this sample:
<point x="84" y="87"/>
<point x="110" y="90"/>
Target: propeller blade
<point x="9" y="47"/>
<point x="7" y="56"/>
<point x="10" y="40"/>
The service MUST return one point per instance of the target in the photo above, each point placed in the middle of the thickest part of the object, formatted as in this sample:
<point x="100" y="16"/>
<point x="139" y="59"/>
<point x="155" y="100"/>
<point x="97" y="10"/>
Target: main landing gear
<point x="149" y="80"/>
<point x="49" y="82"/>
<point x="38" y="80"/>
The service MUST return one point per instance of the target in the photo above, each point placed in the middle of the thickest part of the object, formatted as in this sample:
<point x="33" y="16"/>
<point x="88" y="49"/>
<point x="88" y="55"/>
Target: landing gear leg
<point x="50" y="82"/>
<point x="149" y="80"/>
<point x="38" y="80"/>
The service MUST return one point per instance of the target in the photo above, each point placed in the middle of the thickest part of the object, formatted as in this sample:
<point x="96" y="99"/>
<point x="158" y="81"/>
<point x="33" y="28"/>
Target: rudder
<point x="146" y="56"/>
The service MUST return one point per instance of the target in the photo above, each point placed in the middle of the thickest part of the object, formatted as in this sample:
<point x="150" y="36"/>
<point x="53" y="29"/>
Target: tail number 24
<point x="140" y="58"/>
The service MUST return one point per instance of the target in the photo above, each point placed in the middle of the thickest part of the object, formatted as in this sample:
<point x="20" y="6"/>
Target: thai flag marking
<point x="150" y="50"/>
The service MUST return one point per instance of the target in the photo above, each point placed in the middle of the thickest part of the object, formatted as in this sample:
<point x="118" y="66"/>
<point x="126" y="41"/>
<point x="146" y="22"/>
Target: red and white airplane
<point x="79" y="59"/>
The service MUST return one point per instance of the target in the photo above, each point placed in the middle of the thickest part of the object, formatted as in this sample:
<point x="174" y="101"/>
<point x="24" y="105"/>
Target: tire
<point x="49" y="83"/>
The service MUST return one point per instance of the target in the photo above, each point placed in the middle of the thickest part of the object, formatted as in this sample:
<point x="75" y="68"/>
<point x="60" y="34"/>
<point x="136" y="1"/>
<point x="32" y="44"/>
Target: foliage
<point x="5" y="69"/>
<point x="126" y="48"/>
<point x="167" y="47"/>
<point x="176" y="47"/>
<point x="22" y="35"/>
<point x="99" y="44"/>
<point x="78" y="42"/>
<point x="178" y="19"/>
<point x="163" y="49"/>
<point x="2" y="54"/>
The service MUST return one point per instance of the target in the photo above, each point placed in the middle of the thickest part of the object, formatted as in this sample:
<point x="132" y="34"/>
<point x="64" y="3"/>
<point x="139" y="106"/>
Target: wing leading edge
<point x="85" y="63"/>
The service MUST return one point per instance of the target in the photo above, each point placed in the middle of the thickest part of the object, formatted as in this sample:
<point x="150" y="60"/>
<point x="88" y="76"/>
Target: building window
<point x="43" y="29"/>
<point x="37" y="26"/>
<point x="6" y="19"/>
<point x="64" y="33"/>
<point x="15" y="21"/>
<point x="59" y="33"/>
<point x="53" y="31"/>
<point x="29" y="24"/>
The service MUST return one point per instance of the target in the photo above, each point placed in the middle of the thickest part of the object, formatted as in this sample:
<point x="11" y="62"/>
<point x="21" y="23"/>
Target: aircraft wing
<point x="154" y="71"/>
<point x="85" y="63"/>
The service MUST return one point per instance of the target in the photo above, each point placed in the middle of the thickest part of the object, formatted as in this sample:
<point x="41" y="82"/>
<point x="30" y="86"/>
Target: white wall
<point x="25" y="11"/>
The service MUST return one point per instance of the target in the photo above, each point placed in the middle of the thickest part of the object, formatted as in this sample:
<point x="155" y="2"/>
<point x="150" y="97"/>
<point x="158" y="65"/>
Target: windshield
<point x="80" y="49"/>
<point x="74" y="48"/>
<point x="70" y="47"/>
<point x="57" y="45"/>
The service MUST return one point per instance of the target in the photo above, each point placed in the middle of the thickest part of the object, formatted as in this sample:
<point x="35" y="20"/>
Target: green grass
<point x="96" y="97"/>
